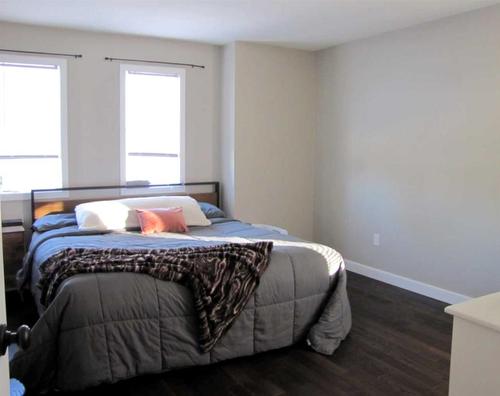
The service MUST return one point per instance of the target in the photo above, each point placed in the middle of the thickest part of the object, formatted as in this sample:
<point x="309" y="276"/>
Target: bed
<point x="107" y="327"/>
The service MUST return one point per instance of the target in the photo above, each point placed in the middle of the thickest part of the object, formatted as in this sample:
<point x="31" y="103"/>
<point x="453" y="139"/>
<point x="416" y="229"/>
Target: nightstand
<point x="13" y="251"/>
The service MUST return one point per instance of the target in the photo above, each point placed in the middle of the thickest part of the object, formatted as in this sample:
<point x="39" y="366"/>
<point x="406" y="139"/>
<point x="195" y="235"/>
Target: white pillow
<point x="120" y="214"/>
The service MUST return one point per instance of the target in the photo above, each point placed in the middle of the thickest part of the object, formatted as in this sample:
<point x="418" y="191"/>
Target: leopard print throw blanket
<point x="221" y="278"/>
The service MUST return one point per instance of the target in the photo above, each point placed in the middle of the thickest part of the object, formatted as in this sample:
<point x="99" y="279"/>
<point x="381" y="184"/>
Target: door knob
<point x="21" y="337"/>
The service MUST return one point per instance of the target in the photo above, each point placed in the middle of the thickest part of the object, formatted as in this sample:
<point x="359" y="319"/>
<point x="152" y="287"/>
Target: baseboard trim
<point x="406" y="283"/>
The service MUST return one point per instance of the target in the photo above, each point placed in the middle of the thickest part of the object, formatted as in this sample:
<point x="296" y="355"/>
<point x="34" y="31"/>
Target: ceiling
<point x="306" y="24"/>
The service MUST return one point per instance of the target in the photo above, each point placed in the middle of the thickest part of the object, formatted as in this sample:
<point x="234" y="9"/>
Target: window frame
<point x="124" y="68"/>
<point x="62" y="64"/>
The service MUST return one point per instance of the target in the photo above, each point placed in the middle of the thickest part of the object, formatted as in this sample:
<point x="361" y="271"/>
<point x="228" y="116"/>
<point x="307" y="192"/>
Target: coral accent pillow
<point x="161" y="220"/>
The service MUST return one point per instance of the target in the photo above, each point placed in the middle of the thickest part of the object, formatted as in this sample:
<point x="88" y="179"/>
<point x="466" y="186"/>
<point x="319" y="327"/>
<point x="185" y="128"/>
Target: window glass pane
<point x="30" y="110"/>
<point x="156" y="170"/>
<point x="29" y="174"/>
<point x="30" y="126"/>
<point x="152" y="127"/>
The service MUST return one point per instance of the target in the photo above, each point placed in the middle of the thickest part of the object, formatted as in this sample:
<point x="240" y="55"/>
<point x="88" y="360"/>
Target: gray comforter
<point x="106" y="327"/>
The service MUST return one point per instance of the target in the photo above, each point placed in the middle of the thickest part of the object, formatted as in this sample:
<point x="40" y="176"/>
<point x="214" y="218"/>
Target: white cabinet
<point x="475" y="350"/>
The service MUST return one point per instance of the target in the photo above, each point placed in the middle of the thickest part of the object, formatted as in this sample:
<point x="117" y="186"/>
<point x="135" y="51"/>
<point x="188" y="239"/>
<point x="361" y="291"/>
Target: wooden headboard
<point x="64" y="200"/>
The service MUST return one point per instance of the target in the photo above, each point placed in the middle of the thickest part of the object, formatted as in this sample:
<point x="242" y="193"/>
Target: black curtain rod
<point x="42" y="53"/>
<point x="156" y="62"/>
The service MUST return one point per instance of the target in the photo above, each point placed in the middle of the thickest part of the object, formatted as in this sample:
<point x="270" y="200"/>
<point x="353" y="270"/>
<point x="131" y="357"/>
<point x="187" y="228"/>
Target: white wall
<point x="270" y="134"/>
<point x="93" y="99"/>
<point x="408" y="146"/>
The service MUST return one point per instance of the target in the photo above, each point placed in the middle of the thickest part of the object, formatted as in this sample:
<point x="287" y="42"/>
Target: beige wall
<point x="407" y="137"/>
<point x="249" y="121"/>
<point x="93" y="99"/>
<point x="273" y="135"/>
<point x="227" y="134"/>
<point x="408" y="146"/>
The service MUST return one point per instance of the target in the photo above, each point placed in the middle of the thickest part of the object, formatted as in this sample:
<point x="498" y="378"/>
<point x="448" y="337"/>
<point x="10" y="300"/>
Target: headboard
<point x="60" y="200"/>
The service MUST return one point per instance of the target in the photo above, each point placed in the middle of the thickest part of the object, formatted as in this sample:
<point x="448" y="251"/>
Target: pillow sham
<point x="54" y="221"/>
<point x="161" y="220"/>
<point x="211" y="211"/>
<point x="120" y="214"/>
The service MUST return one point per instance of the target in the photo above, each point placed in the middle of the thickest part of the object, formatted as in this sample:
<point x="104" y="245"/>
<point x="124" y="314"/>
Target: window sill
<point x="26" y="196"/>
<point x="135" y="191"/>
<point x="15" y="196"/>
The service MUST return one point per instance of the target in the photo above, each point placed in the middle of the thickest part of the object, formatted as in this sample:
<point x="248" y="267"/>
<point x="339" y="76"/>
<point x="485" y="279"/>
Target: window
<point x="32" y="123"/>
<point x="152" y="124"/>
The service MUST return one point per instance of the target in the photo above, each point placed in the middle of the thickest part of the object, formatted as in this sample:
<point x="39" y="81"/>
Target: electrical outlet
<point x="376" y="239"/>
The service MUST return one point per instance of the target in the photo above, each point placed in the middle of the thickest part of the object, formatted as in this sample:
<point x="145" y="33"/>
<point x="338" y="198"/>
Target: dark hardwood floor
<point x="399" y="345"/>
